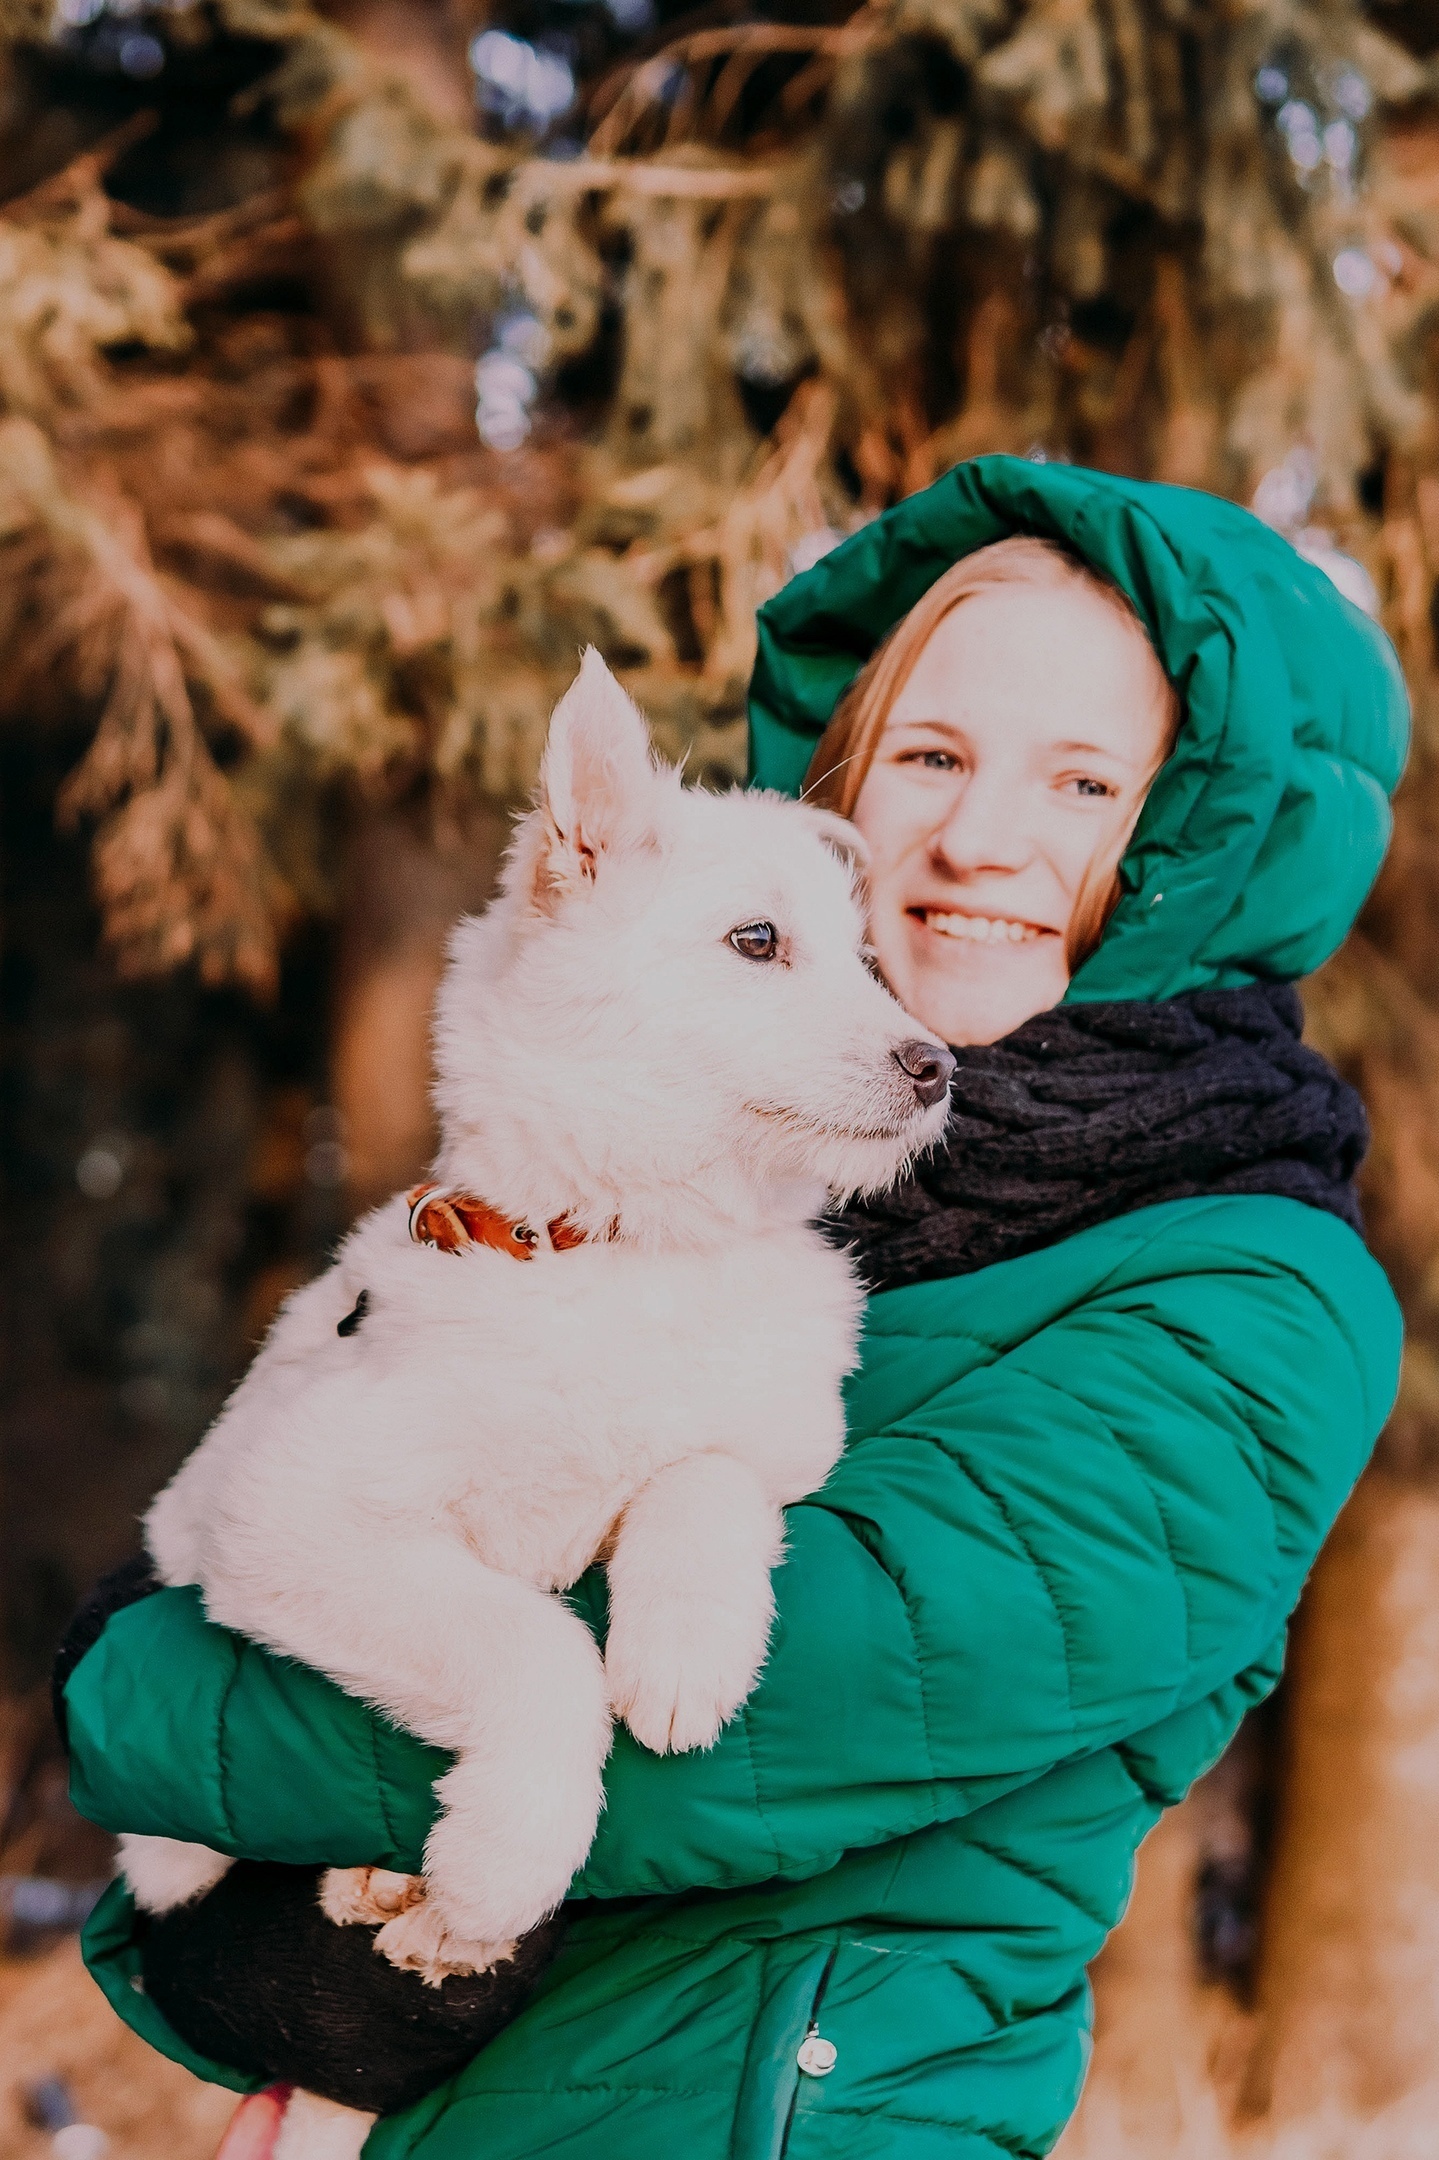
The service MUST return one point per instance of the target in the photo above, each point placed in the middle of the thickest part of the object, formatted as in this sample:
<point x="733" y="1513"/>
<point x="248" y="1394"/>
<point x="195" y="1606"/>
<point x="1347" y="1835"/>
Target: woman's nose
<point x="983" y="830"/>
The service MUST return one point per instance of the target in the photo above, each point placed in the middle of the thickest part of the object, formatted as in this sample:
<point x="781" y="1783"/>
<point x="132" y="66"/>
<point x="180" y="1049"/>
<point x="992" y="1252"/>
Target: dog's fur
<point x="399" y="1507"/>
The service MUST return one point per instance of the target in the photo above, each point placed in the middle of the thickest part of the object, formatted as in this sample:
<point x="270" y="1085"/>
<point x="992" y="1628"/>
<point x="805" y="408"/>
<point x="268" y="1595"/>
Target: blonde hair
<point x="846" y="750"/>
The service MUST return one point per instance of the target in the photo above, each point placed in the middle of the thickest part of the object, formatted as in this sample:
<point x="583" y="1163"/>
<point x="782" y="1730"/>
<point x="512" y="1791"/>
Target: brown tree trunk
<point x="404" y="892"/>
<point x="1349" y="1974"/>
<point x="1166" y="2043"/>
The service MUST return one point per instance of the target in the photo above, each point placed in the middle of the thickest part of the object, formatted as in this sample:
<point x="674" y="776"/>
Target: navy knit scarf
<point x="1091" y="1111"/>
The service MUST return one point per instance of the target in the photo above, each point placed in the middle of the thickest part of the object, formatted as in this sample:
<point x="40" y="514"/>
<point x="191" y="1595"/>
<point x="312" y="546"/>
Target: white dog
<point x="658" y="1053"/>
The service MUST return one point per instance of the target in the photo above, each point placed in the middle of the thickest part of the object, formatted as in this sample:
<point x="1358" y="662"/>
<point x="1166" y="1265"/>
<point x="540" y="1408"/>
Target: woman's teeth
<point x="980" y="929"/>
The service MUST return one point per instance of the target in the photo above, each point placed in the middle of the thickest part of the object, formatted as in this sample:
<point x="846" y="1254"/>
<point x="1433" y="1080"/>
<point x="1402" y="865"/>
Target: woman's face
<point x="1009" y="775"/>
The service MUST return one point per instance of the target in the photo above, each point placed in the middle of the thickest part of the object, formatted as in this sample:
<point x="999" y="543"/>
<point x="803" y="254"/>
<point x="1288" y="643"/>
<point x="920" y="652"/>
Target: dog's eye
<point x="756" y="940"/>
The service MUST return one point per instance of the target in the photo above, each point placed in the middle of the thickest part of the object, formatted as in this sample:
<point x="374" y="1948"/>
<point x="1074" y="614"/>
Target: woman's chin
<point x="973" y="993"/>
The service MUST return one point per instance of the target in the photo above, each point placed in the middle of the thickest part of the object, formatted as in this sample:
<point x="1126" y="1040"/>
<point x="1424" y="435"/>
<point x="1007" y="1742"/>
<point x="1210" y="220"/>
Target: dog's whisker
<point x="828" y="774"/>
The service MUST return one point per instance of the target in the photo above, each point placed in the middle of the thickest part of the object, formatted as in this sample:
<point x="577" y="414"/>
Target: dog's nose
<point x="929" y="1066"/>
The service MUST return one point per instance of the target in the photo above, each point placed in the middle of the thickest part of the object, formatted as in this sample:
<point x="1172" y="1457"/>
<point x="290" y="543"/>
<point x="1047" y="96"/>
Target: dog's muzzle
<point x="929" y="1068"/>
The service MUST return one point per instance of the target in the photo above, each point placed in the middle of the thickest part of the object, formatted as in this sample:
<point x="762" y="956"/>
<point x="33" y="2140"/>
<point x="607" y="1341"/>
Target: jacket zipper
<point x="811" y="2031"/>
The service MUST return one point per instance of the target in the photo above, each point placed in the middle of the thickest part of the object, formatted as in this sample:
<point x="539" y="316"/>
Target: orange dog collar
<point x="449" y="1220"/>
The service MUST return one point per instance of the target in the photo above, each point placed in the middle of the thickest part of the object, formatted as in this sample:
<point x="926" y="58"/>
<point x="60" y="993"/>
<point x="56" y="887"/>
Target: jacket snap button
<point x="817" y="2057"/>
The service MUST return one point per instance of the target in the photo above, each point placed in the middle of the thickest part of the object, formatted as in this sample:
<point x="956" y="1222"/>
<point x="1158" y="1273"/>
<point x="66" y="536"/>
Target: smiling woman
<point x="995" y="756"/>
<point x="1124" y="1356"/>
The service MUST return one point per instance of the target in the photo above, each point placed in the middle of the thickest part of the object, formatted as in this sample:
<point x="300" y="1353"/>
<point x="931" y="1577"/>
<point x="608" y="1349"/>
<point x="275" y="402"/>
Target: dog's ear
<point x="837" y="833"/>
<point x="597" y="779"/>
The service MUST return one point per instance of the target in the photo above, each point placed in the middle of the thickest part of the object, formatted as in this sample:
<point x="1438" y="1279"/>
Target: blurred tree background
<point x="357" y="366"/>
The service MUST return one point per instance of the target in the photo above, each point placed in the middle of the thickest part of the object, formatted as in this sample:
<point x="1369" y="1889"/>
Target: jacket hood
<point x="1266" y="828"/>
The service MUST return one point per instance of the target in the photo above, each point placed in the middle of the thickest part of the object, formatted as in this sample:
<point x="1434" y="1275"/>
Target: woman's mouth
<point x="978" y="929"/>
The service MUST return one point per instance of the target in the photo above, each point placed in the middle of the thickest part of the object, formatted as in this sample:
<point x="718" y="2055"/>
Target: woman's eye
<point x="1091" y="787"/>
<point x="756" y="940"/>
<point x="935" y="760"/>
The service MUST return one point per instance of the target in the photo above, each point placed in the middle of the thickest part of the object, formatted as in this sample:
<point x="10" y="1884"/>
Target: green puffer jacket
<point x="1081" y="1494"/>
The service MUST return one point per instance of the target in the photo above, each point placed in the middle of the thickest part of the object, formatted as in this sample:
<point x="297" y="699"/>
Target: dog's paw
<point x="418" y="1940"/>
<point x="680" y="1678"/>
<point x="367" y="1896"/>
<point x="164" y="1872"/>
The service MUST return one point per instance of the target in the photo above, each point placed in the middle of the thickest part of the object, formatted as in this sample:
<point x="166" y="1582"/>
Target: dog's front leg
<point x="690" y="1600"/>
<point x="506" y="1677"/>
<point x="521" y="1803"/>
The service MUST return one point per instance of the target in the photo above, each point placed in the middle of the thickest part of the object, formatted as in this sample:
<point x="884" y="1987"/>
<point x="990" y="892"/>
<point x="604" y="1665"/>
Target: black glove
<point x="254" y="1975"/>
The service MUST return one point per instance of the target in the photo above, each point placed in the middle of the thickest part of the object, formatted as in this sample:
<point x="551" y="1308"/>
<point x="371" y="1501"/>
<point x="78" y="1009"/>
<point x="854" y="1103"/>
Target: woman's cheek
<point x="888" y="825"/>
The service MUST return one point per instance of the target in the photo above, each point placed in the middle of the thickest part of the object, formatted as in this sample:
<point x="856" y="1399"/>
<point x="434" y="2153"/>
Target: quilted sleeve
<point x="1060" y="1550"/>
<point x="181" y="1729"/>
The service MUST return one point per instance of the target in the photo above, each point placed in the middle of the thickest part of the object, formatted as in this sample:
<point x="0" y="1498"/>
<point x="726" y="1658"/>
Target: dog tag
<point x="817" y="2057"/>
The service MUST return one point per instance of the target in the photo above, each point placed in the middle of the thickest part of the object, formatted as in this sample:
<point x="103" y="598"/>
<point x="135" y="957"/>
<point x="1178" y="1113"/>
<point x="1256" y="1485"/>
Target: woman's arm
<point x="185" y="1730"/>
<point x="1068" y="1547"/>
<point x="1062" y="1548"/>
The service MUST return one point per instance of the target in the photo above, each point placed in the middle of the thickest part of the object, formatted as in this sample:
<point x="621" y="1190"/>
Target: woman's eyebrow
<point x="1089" y="749"/>
<point x="900" y="722"/>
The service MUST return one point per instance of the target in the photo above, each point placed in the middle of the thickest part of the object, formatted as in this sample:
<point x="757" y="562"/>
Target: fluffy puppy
<point x="658" y="1053"/>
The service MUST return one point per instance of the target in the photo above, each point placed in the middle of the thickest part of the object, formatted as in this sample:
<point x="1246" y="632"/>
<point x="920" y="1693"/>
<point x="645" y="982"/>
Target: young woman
<point x="1125" y="1357"/>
